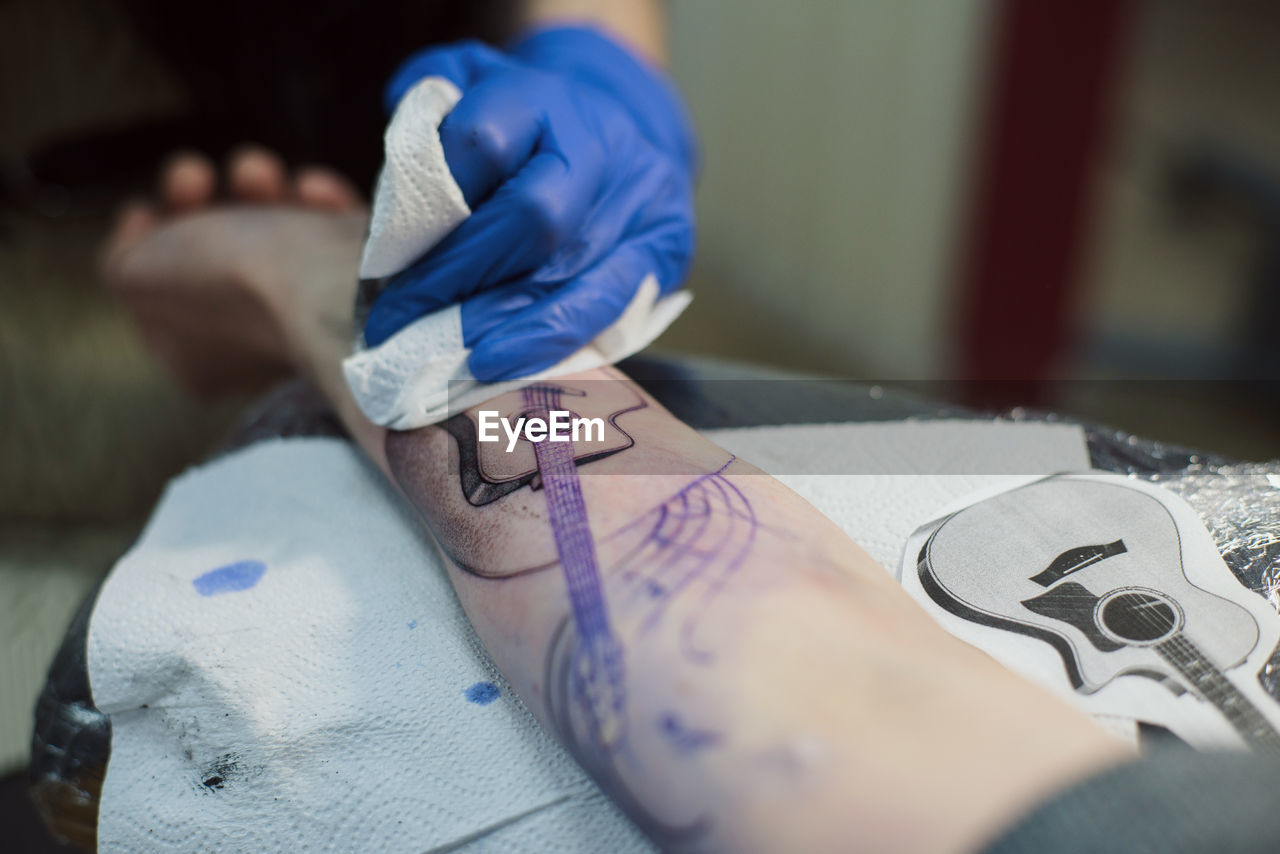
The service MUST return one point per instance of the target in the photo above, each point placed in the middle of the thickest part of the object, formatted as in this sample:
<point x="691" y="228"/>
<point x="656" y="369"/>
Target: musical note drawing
<point x="667" y="566"/>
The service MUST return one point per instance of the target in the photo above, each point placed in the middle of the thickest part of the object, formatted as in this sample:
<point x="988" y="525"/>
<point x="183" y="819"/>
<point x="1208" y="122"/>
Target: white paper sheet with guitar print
<point x="1110" y="591"/>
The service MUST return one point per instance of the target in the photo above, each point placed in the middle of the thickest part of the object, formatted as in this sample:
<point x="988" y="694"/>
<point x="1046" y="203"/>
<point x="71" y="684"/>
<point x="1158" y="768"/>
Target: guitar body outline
<point x="482" y="485"/>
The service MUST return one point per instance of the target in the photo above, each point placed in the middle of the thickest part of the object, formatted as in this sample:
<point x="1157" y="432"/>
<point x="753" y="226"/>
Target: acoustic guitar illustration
<point x="488" y="471"/>
<point x="1095" y="569"/>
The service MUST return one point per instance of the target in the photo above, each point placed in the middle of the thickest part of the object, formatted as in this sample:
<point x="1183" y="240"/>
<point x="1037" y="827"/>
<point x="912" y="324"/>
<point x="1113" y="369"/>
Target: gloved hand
<point x="576" y="159"/>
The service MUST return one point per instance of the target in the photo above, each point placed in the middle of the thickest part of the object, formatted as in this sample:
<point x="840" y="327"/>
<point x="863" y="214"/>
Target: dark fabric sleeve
<point x="1175" y="801"/>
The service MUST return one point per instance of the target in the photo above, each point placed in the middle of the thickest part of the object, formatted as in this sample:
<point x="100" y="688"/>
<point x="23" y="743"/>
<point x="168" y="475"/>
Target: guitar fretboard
<point x="1212" y="684"/>
<point x="598" y="674"/>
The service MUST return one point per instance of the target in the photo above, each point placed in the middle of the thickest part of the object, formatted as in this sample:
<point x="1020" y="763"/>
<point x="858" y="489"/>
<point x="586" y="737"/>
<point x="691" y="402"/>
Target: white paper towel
<point x="321" y="703"/>
<point x="420" y="374"/>
<point x="416" y="202"/>
<point x="322" y="706"/>
<point x="905" y="470"/>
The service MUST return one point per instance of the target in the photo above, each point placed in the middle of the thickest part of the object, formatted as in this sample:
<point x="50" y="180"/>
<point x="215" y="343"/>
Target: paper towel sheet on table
<point x="880" y="481"/>
<point x="322" y="706"/>
<point x="286" y="665"/>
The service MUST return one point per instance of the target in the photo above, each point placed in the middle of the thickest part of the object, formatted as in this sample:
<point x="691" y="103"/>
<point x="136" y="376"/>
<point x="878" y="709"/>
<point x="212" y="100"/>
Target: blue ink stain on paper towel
<point x="231" y="578"/>
<point x="483" y="693"/>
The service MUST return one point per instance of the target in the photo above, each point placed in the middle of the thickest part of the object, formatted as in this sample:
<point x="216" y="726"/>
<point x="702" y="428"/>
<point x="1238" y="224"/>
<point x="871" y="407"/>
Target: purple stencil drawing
<point x="597" y="671"/>
<point x="677" y="558"/>
<point x="689" y="546"/>
<point x="685" y="739"/>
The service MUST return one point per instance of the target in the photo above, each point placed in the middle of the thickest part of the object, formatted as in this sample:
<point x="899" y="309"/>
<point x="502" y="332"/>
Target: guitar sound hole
<point x="1138" y="616"/>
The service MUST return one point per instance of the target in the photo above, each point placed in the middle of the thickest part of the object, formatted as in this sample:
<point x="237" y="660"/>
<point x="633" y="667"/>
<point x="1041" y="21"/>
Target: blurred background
<point x="997" y="190"/>
<point x="1082" y="195"/>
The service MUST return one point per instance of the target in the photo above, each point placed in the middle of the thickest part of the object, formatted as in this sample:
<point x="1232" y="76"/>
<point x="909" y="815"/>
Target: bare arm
<point x="640" y="24"/>
<point x="723" y="659"/>
<point x="727" y="663"/>
<point x="734" y="670"/>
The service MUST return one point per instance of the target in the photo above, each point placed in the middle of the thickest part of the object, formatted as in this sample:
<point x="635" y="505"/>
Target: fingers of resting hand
<point x="323" y="189"/>
<point x="532" y="216"/>
<point x="187" y="181"/>
<point x="135" y="220"/>
<point x="520" y="333"/>
<point x="255" y="174"/>
<point x="491" y="133"/>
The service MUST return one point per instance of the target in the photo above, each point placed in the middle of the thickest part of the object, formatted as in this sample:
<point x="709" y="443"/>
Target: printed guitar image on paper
<point x="1095" y="569"/>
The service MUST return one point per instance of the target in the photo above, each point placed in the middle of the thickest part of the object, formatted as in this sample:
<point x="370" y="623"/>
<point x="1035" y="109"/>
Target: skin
<point x="841" y="717"/>
<point x="641" y="24"/>
<point x="205" y="319"/>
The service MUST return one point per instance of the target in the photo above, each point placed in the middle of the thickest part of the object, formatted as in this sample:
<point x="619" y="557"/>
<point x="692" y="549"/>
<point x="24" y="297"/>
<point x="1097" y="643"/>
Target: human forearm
<point x="641" y="24"/>
<point x="730" y="667"/>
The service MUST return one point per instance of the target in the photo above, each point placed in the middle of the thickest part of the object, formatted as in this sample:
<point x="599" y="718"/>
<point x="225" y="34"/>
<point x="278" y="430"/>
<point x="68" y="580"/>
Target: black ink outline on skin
<point x="469" y="569"/>
<point x="479" y="490"/>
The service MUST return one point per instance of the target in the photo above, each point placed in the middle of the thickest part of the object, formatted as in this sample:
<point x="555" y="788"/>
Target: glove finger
<point x="648" y="203"/>
<point x="496" y="306"/>
<point x="522" y="226"/>
<point x="669" y="240"/>
<point x="490" y="134"/>
<point x="462" y="64"/>
<point x="664" y="247"/>
<point x="538" y="335"/>
<point x="669" y="248"/>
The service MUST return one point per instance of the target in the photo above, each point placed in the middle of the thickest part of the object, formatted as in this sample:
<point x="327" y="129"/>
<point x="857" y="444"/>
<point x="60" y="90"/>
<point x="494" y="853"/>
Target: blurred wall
<point x="1166" y="292"/>
<point x="836" y="137"/>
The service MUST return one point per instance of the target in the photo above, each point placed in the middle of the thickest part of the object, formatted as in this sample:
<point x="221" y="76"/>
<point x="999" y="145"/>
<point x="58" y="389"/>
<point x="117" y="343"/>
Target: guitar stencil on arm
<point x="488" y="471"/>
<point x="1102" y="570"/>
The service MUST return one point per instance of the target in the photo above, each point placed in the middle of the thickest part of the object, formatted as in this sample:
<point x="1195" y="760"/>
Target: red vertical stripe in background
<point x="1051" y="81"/>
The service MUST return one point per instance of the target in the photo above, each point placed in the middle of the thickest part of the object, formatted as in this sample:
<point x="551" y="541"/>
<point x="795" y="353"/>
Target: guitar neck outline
<point x="1213" y="686"/>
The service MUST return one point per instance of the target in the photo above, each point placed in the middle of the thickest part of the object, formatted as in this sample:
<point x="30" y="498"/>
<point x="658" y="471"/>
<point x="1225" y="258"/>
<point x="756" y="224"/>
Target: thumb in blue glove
<point x="577" y="160"/>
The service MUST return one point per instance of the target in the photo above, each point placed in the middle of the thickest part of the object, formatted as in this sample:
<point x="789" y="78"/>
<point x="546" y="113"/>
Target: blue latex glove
<point x="577" y="161"/>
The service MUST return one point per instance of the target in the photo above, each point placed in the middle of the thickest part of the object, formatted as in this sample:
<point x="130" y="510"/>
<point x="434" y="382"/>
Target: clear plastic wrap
<point x="1240" y="505"/>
